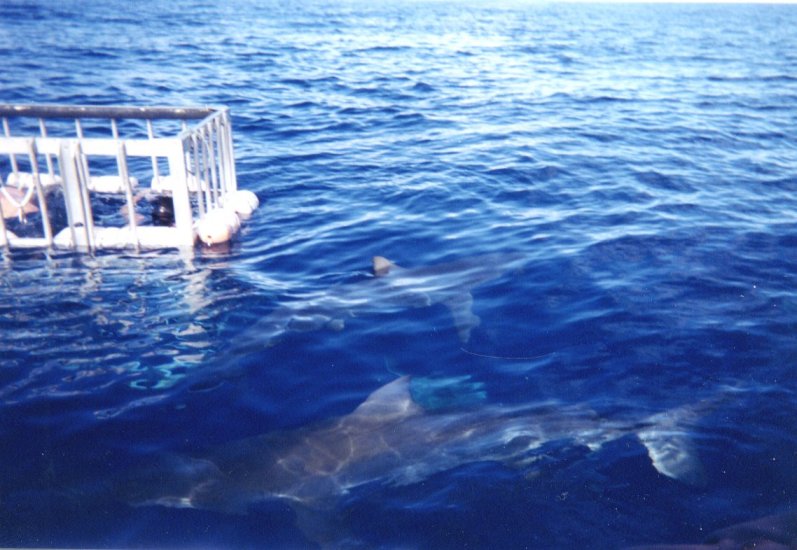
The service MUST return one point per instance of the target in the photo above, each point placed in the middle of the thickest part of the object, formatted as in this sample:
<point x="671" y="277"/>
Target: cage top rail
<point x="105" y="111"/>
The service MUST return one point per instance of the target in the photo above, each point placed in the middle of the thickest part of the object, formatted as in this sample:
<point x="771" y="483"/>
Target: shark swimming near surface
<point x="393" y="440"/>
<point x="389" y="288"/>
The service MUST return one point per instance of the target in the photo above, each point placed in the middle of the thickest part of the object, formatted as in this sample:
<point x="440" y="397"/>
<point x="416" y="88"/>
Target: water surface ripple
<point x="641" y="160"/>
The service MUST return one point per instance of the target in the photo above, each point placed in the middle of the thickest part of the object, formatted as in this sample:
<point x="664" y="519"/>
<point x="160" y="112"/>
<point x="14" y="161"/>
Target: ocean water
<point x="638" y="163"/>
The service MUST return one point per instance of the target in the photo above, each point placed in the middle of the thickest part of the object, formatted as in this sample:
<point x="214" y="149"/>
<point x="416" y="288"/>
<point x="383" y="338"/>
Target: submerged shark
<point x="389" y="288"/>
<point x="391" y="439"/>
<point x="778" y="532"/>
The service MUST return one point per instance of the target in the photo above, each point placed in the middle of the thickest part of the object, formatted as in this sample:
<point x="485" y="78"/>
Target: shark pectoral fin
<point x="181" y="482"/>
<point x="461" y="307"/>
<point x="336" y="324"/>
<point x="673" y="456"/>
<point x="322" y="526"/>
<point x="416" y="299"/>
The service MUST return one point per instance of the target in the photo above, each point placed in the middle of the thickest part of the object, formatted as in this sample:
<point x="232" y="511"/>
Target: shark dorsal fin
<point x="392" y="400"/>
<point x="382" y="266"/>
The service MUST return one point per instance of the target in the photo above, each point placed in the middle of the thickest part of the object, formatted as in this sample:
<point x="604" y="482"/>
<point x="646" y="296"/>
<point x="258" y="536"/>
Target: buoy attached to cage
<point x="242" y="201"/>
<point x="218" y="226"/>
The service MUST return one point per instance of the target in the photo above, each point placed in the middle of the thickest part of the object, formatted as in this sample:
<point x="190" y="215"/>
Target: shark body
<point x="391" y="439"/>
<point x="390" y="288"/>
<point x="777" y="532"/>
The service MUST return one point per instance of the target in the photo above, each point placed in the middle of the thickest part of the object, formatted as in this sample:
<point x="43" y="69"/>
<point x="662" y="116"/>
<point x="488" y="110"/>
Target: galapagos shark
<point x="389" y="288"/>
<point x="393" y="440"/>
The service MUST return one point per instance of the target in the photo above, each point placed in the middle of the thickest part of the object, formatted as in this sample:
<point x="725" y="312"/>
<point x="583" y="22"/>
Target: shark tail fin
<point x="670" y="440"/>
<point x="672" y="453"/>
<point x="461" y="307"/>
<point x="667" y="437"/>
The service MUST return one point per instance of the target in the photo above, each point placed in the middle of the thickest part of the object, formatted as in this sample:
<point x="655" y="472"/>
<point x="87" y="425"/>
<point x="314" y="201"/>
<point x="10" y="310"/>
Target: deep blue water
<point x="641" y="160"/>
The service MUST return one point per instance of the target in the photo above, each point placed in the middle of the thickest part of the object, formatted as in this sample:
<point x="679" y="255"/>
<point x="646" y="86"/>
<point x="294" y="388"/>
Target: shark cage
<point x="75" y="177"/>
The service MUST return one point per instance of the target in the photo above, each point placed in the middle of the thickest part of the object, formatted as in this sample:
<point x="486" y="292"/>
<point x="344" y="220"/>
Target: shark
<point x="393" y="440"/>
<point x="388" y="288"/>
<point x="776" y="532"/>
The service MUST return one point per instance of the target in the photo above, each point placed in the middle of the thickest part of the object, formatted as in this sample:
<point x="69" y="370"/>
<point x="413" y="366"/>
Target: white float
<point x="111" y="184"/>
<point x="218" y="226"/>
<point x="24" y="180"/>
<point x="242" y="201"/>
